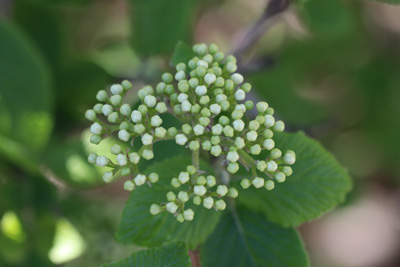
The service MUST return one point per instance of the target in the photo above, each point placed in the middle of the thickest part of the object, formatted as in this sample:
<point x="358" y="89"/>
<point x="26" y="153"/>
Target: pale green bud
<point x="199" y="190"/>
<point x="215" y="140"/>
<point x="148" y="154"/>
<point x="183" y="177"/>
<point x="245" y="183"/>
<point x="183" y="196"/>
<point x="175" y="182"/>
<point x="216" y="150"/>
<point x="208" y="202"/>
<point x="217" y="129"/>
<point x="107" y="109"/>
<point x="222" y="190"/>
<point x="171" y="207"/>
<point x="90" y="115"/>
<point x="136" y="116"/>
<point x="262" y="107"/>
<point x="261" y="165"/>
<point x="180" y="218"/>
<point x="98" y="108"/>
<point x="269" y="144"/>
<point x="268" y="134"/>
<point x="140" y="179"/>
<point x="204" y="121"/>
<point x="116" y="89"/>
<point x="194" y="82"/>
<point x="238" y="125"/>
<point x="276" y="153"/>
<point x="167" y="77"/>
<point x="239" y="142"/>
<point x="180" y="75"/>
<point x="194" y="145"/>
<point x="290" y="157"/>
<point x="279" y="126"/>
<point x="233" y="167"/>
<point x="197" y="200"/>
<point x="153" y="177"/>
<point x="102" y="96"/>
<point x="134" y="157"/>
<point x="92" y="158"/>
<point x="205" y="112"/>
<point x="228" y="131"/>
<point x="251" y="136"/>
<point x="201" y="180"/>
<point x="232" y="156"/>
<point x="129" y="185"/>
<point x="113" y="117"/>
<point x="269" y="185"/>
<point x="271" y="166"/>
<point x="280" y="177"/>
<point x="258" y="182"/>
<point x="215" y="109"/>
<point x="172" y="131"/>
<point x="211" y="181"/>
<point x="181" y="139"/>
<point x="124" y="135"/>
<point x="249" y="105"/>
<point x="220" y="204"/>
<point x="269" y="121"/>
<point x="287" y="170"/>
<point x="188" y="214"/>
<point x="160" y="132"/>
<point x="150" y="101"/>
<point x="147" y="139"/>
<point x="108" y="177"/>
<point x="161" y="107"/>
<point x="171" y="197"/>
<point x="232" y="192"/>
<point x="206" y="145"/>
<point x="156" y="121"/>
<point x="115" y="149"/>
<point x="254" y="125"/>
<point x="139" y="129"/>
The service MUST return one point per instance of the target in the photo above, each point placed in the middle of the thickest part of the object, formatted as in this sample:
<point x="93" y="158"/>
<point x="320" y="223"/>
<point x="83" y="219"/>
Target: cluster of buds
<point x="209" y="98"/>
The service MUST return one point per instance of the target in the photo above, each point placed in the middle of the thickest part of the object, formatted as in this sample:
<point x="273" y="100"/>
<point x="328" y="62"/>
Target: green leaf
<point x="244" y="238"/>
<point x="140" y="227"/>
<point x="182" y="53"/>
<point x="317" y="185"/>
<point x="158" y="25"/>
<point x="25" y="95"/>
<point x="172" y="254"/>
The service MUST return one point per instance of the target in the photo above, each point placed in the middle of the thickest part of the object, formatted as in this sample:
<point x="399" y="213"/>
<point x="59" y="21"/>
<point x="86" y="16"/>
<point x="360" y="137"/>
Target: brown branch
<point x="195" y="257"/>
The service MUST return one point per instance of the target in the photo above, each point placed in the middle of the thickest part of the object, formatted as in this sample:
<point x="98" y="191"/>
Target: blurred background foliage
<point x="330" y="68"/>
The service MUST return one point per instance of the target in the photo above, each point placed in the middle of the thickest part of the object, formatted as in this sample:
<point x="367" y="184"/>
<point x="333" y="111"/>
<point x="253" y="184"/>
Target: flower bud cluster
<point x="209" y="98"/>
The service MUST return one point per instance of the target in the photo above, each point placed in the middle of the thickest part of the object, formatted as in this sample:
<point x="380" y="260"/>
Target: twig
<point x="273" y="8"/>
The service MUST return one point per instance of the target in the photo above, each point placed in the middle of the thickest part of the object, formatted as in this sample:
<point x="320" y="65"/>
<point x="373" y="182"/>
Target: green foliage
<point x="182" y="53"/>
<point x="25" y="96"/>
<point x="173" y="255"/>
<point x="244" y="238"/>
<point x="140" y="227"/>
<point x="157" y="25"/>
<point x="317" y="185"/>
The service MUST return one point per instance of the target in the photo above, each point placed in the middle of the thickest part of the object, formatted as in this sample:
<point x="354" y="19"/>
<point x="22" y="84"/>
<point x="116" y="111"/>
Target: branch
<point x="254" y="34"/>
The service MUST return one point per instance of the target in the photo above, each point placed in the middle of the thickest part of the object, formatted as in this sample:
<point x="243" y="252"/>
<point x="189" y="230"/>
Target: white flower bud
<point x="156" y="121"/>
<point x="201" y="90"/>
<point x="209" y="78"/>
<point x="258" y="182"/>
<point x="182" y="97"/>
<point x="262" y="107"/>
<point x="101" y="161"/>
<point x="202" y="63"/>
<point x="183" y="196"/>
<point x="271" y="166"/>
<point x="251" y="136"/>
<point x="186" y="106"/>
<point x="116" y="89"/>
<point x="90" y="115"/>
<point x="245" y="183"/>
<point x="255" y="149"/>
<point x="269" y="144"/>
<point x="136" y="116"/>
<point x="102" y="96"/>
<point x="290" y="157"/>
<point x="180" y="75"/>
<point x="171" y="196"/>
<point x="161" y="107"/>
<point x="220" y="204"/>
<point x="215" y="109"/>
<point x="155" y="209"/>
<point x="232" y="192"/>
<point x="211" y="181"/>
<point x="147" y="139"/>
<point x="140" y="179"/>
<point x="280" y="177"/>
<point x="219" y="98"/>
<point x="287" y="170"/>
<point x="222" y="190"/>
<point x="231" y="66"/>
<point x="122" y="160"/>
<point x="147" y="154"/>
<point x="181" y="139"/>
<point x="216" y="150"/>
<point x="217" y="129"/>
<point x="92" y="158"/>
<point x="171" y="207"/>
<point x="279" y="126"/>
<point x="150" y="101"/>
<point x="107" y="177"/>
<point x="232" y="156"/>
<point x="238" y="125"/>
<point x="239" y="142"/>
<point x="134" y="157"/>
<point x="96" y="128"/>
<point x="153" y="177"/>
<point x="160" y="132"/>
<point x="175" y="182"/>
<point x="208" y="202"/>
<point x="180" y="218"/>
<point x="188" y="215"/>
<point x="261" y="165"/>
<point x="237" y="78"/>
<point x="233" y="167"/>
<point x="129" y="185"/>
<point x="204" y="100"/>
<point x="199" y="190"/>
<point x="183" y="177"/>
<point x="240" y="95"/>
<point x="269" y="121"/>
<point x="269" y="185"/>
<point x="116" y="100"/>
<point x="198" y="129"/>
<point x="123" y="135"/>
<point x="240" y="107"/>
<point x="125" y="110"/>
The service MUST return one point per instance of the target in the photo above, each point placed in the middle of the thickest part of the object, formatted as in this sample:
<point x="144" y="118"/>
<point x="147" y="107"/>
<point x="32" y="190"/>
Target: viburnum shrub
<point x="237" y="151"/>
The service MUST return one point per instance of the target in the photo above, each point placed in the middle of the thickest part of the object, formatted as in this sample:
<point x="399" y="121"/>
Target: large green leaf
<point x="172" y="255"/>
<point x="317" y="185"/>
<point x="140" y="227"/>
<point x="157" y="25"/>
<point x="25" y="95"/>
<point x="244" y="238"/>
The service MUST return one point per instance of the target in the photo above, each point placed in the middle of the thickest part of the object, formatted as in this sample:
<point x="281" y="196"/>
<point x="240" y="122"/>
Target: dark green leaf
<point x="172" y="255"/>
<point x="317" y="185"/>
<point x="182" y="53"/>
<point x="246" y="239"/>
<point x="158" y="25"/>
<point x="25" y="95"/>
<point x="140" y="227"/>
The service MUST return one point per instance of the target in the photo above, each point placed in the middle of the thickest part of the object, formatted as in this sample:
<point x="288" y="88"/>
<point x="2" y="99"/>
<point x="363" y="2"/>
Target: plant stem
<point x="196" y="160"/>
